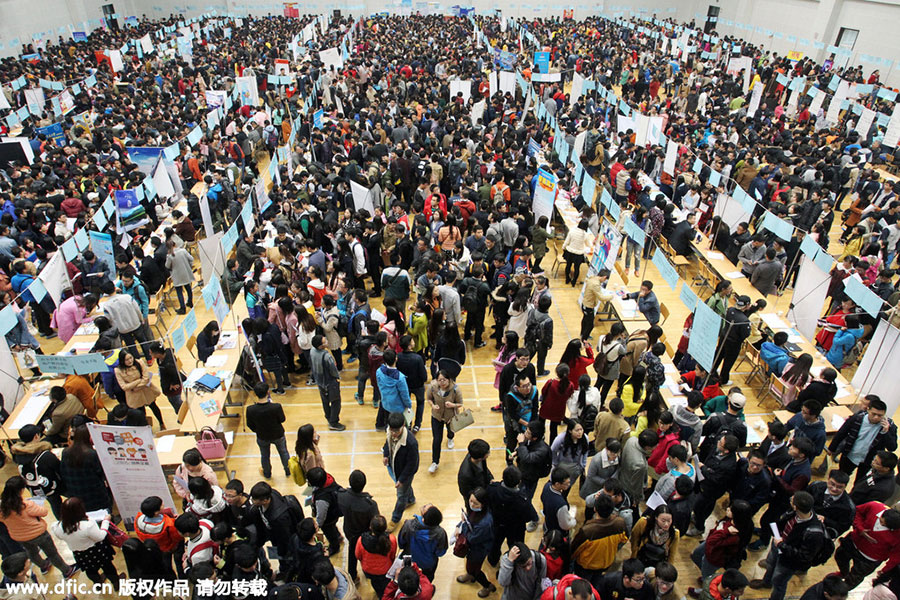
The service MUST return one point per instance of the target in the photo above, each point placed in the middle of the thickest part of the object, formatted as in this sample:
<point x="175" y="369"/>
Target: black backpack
<point x="470" y="298"/>
<point x="827" y="550"/>
<point x="294" y="508"/>
<point x="726" y="426"/>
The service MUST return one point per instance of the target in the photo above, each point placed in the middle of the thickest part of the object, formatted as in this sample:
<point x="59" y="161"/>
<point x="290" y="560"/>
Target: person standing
<point x="445" y="399"/>
<point x="473" y="471"/>
<point x="736" y="329"/>
<point x="478" y="527"/>
<point x="170" y="378"/>
<point x="594" y="294"/>
<point x="413" y="365"/>
<point x="874" y="538"/>
<point x="401" y="457"/>
<point x="88" y="542"/>
<point x="522" y="571"/>
<point x="535" y="460"/>
<point x="512" y="512"/>
<point x="265" y="419"/>
<point x="328" y="380"/>
<point x="126" y="316"/>
<point x="134" y="378"/>
<point x="861" y="437"/>
<point x="393" y="388"/>
<point x="180" y="264"/>
<point x="633" y="464"/>
<point x="24" y="519"/>
<point x="359" y="510"/>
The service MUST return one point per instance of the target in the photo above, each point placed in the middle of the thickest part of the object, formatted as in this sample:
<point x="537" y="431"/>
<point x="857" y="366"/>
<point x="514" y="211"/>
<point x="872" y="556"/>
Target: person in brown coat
<point x="611" y="424"/>
<point x="445" y="399"/>
<point x="133" y="376"/>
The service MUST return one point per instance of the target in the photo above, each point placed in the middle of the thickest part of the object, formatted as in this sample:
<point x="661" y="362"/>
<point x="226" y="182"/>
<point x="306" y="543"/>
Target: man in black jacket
<point x="401" y="457"/>
<point x="275" y="519"/>
<point x="754" y="484"/>
<point x="862" y="436"/>
<point x="413" y="366"/>
<point x="878" y="483"/>
<point x="735" y="331"/>
<point x="473" y="472"/>
<point x="795" y="549"/>
<point x="358" y="508"/>
<point x="534" y="459"/>
<point x="719" y="474"/>
<point x="326" y="510"/>
<point x="520" y="364"/>
<point x="265" y="419"/>
<point x="831" y="501"/>
<point x="630" y="582"/>
<point x="475" y="311"/>
<point x="684" y="233"/>
<point x="512" y="512"/>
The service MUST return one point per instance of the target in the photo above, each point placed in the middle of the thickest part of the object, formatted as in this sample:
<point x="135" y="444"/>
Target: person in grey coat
<point x="180" y="264"/>
<point x="522" y="571"/>
<point x="751" y="254"/>
<point x="328" y="380"/>
<point x="633" y="464"/>
<point x="450" y="300"/>
<point x="767" y="274"/>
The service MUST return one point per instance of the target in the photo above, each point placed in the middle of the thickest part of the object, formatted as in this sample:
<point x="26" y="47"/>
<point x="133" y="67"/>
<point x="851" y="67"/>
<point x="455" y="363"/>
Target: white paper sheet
<point x="216" y="360"/>
<point x="165" y="443"/>
<point x="734" y="275"/>
<point x="31" y="412"/>
<point x="655" y="500"/>
<point x="715" y="255"/>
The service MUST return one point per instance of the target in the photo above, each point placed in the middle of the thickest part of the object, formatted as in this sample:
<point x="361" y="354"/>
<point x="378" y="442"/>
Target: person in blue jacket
<point x="423" y="538"/>
<point x="131" y="285"/>
<point x="774" y="354"/>
<point x="393" y="387"/>
<point x="478" y="527"/>
<point x="844" y="340"/>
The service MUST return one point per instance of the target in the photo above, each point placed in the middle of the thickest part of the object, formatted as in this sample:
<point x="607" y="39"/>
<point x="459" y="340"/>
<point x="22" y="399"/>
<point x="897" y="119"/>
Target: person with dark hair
<point x="830" y="588"/>
<point x="535" y="460"/>
<point x="558" y="515"/>
<point x="844" y="340"/>
<point x="473" y="471"/>
<point x="445" y="399"/>
<point x="570" y="449"/>
<point x="134" y="377"/>
<point x="207" y="340"/>
<point x="595" y="545"/>
<point x="719" y="472"/>
<point x="878" y="484"/>
<point x="647" y="302"/>
<point x="730" y="585"/>
<point x="305" y="549"/>
<point x="573" y="249"/>
<point x="800" y="539"/>
<point x="401" y="457"/>
<point x="325" y="506"/>
<point x="335" y="582"/>
<point x="512" y="512"/>
<point x="725" y="545"/>
<point x="478" y="527"/>
<point x="862" y="436"/>
<point x="192" y="465"/>
<point x="327" y="376"/>
<point x="393" y="388"/>
<point x="810" y="424"/>
<point x="519" y="408"/>
<point x="611" y="424"/>
<point x="423" y="538"/>
<point x="170" y="378"/>
<point x="653" y="538"/>
<point x="63" y="409"/>
<point x="412" y="364"/>
<point x="410" y="583"/>
<point x="376" y="549"/>
<point x="633" y="463"/>
<point x="735" y="330"/>
<point x="832" y="502"/>
<point x="88" y="542"/>
<point x="520" y="365"/>
<point x="265" y="419"/>
<point x="17" y="568"/>
<point x="156" y="523"/>
<point x="144" y="560"/>
<point x="275" y="517"/>
<point x="522" y="571"/>
<point x="82" y="473"/>
<point x="786" y="482"/>
<point x="24" y="519"/>
<point x="358" y="509"/>
<point x="874" y="538"/>
<point x="630" y="582"/>
<point x="754" y="483"/>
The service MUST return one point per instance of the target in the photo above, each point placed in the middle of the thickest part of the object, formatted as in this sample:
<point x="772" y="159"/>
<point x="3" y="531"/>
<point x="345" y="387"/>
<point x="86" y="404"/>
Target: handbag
<point x="461" y="420"/>
<point x="211" y="444"/>
<point x="296" y="470"/>
<point x="115" y="536"/>
<point x="461" y="546"/>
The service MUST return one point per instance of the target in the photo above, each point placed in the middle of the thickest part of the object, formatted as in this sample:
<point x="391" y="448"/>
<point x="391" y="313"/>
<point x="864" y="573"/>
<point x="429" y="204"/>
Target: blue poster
<point x="144" y="157"/>
<point x="131" y="213"/>
<point x="542" y="61"/>
<point x="102" y="247"/>
<point x="317" y="118"/>
<point x="665" y="268"/>
<point x="704" y="336"/>
<point x="54" y="132"/>
<point x="544" y="195"/>
<point x="79" y="36"/>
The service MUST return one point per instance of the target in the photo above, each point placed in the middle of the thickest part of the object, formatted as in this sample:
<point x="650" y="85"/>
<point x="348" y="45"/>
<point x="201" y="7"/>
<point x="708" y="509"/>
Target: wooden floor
<point x="359" y="447"/>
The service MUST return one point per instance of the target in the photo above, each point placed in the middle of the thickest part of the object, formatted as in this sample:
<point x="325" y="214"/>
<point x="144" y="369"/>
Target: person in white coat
<point x="87" y="541"/>
<point x="181" y="268"/>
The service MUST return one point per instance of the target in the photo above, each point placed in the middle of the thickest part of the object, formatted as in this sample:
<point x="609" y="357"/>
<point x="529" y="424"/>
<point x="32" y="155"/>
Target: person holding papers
<point x="646" y="301"/>
<point x="134" y="377"/>
<point x="73" y="313"/>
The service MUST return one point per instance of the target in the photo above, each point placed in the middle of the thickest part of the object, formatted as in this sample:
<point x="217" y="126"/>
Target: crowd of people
<point x="452" y="247"/>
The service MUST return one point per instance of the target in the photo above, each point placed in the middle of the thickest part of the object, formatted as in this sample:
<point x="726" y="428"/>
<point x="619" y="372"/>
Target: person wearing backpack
<point x="720" y="423"/>
<point x="275" y="517"/>
<point x="522" y="572"/>
<point x="874" y="538"/>
<point x="358" y="509"/>
<point x="719" y="473"/>
<point x="475" y="292"/>
<point x="539" y="333"/>
<point x="802" y="543"/>
<point x="199" y="546"/>
<point x="325" y="506"/>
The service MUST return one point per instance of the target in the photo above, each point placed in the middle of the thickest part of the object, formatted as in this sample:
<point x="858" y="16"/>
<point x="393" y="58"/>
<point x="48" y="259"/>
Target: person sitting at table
<point x="207" y="340"/>
<point x="80" y="387"/>
<point x="681" y="237"/>
<point x="821" y="389"/>
<point x="63" y="409"/>
<point x="646" y="301"/>
<point x="774" y="354"/>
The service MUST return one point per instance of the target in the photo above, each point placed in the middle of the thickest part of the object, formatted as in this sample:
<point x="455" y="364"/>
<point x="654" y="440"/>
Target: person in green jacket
<point x="539" y="237"/>
<point x="719" y="300"/>
<point x="720" y="403"/>
<point x="418" y="327"/>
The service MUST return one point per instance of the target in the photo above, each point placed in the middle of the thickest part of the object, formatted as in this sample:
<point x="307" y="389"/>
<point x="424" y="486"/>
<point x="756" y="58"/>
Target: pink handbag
<point x="211" y="444"/>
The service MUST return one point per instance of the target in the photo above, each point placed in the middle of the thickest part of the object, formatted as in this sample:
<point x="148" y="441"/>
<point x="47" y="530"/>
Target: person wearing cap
<point x="736" y="330"/>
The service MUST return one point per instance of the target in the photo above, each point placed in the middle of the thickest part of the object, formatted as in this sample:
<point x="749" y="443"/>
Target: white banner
<point x="247" y="90"/>
<point x="671" y="158"/>
<point x="507" y="82"/>
<point x="575" y="92"/>
<point x="55" y="277"/>
<point x="115" y="59"/>
<point x="809" y="296"/>
<point x="131" y="466"/>
<point x="362" y="199"/>
<point x="892" y="132"/>
<point x="478" y="111"/>
<point x="880" y="365"/>
<point x="331" y="58"/>
<point x="10" y="387"/>
<point x="731" y="211"/>
<point x="461" y="85"/>
<point x="492" y="83"/>
<point x="161" y="180"/>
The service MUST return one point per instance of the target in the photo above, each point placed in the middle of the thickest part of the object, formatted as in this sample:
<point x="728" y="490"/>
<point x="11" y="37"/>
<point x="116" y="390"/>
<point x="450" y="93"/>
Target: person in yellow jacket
<point x="595" y="545"/>
<point x="633" y="391"/>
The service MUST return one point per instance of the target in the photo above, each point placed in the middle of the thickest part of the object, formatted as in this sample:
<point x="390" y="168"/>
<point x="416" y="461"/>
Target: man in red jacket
<point x="409" y="584"/>
<point x="875" y="537"/>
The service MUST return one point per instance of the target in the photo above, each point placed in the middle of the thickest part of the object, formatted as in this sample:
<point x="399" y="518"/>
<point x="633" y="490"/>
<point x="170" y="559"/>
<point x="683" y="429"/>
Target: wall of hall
<point x="783" y="20"/>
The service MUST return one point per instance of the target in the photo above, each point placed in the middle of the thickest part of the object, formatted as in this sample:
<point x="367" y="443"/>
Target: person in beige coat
<point x="445" y="399"/>
<point x="133" y="376"/>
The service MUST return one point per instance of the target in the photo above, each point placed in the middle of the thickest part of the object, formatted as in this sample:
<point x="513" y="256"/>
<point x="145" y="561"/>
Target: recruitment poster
<point x="131" y="465"/>
<point x="544" y="195"/>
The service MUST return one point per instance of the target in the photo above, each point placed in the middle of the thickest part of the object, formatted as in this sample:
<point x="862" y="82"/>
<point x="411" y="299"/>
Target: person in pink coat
<point x="72" y="313"/>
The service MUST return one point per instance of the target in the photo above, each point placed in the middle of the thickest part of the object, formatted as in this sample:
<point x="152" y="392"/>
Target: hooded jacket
<point x="774" y="356"/>
<point x="358" y="508"/>
<point x="393" y="388"/>
<point x="511" y="510"/>
<point x="472" y="476"/>
<point x="38" y="466"/>
<point x="425" y="544"/>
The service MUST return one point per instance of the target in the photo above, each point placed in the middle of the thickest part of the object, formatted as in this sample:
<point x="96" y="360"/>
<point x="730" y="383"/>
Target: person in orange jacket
<point x="158" y="524"/>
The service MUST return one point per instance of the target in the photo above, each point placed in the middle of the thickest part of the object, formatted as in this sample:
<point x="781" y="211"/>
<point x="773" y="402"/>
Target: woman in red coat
<point x="577" y="362"/>
<point x="554" y="395"/>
